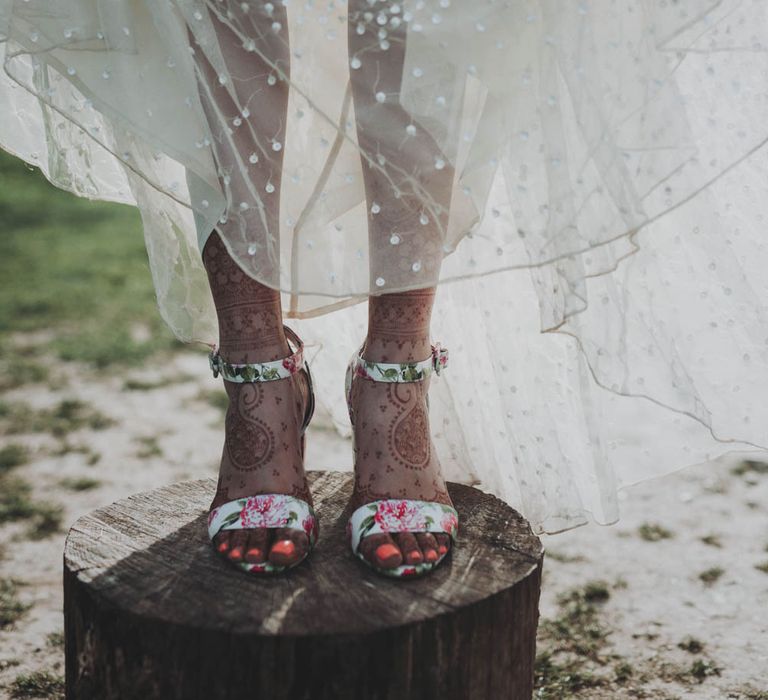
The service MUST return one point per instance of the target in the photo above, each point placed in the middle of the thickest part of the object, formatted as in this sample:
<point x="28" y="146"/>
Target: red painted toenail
<point x="430" y="555"/>
<point x="414" y="557"/>
<point x="253" y="552"/>
<point x="223" y="546"/>
<point x="387" y="553"/>
<point x="442" y="549"/>
<point x="284" y="547"/>
<point x="236" y="553"/>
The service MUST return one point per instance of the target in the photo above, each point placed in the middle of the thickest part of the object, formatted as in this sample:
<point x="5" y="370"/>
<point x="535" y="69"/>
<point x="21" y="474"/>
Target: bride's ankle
<point x="275" y="348"/>
<point x="382" y="349"/>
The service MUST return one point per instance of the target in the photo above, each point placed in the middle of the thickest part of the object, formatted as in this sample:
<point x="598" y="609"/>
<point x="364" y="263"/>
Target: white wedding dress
<point x="602" y="275"/>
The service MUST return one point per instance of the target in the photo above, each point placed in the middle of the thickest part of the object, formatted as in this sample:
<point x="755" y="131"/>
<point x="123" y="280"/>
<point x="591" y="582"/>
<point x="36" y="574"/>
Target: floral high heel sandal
<point x="270" y="510"/>
<point x="398" y="514"/>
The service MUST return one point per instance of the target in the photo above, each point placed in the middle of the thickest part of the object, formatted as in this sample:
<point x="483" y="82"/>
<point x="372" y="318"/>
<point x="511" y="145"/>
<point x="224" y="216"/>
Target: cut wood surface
<point x="152" y="612"/>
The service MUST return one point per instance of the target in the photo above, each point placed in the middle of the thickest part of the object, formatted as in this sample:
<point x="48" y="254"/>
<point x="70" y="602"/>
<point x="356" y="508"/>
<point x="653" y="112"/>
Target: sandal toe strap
<point x="401" y="515"/>
<point x="264" y="510"/>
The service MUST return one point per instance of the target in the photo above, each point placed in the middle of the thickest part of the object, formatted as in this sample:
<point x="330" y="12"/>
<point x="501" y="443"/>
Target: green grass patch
<point x="691" y="645"/>
<point x="80" y="483"/>
<point x="564" y="558"/>
<point x="216" y="398"/>
<point x="572" y="646"/>
<point x="17" y="370"/>
<point x="16" y="503"/>
<point x="577" y="628"/>
<point x="141" y="385"/>
<point x="38" y="684"/>
<point x="66" y="448"/>
<point x="762" y="566"/>
<point x="55" y="640"/>
<point x="557" y="679"/>
<point x="700" y="670"/>
<point x="11" y="608"/>
<point x="712" y="541"/>
<point x="750" y="467"/>
<point x="653" y="532"/>
<point x="623" y="672"/>
<point x="76" y="267"/>
<point x="710" y="576"/>
<point x="13" y="455"/>
<point x="148" y="448"/>
<point x="67" y="416"/>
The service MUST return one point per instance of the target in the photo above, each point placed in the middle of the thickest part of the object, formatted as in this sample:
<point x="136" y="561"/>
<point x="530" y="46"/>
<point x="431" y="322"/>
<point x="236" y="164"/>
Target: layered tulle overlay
<point x="600" y="251"/>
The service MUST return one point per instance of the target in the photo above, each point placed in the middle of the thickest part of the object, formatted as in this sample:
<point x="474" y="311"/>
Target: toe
<point x="428" y="545"/>
<point x="410" y="548"/>
<point x="443" y="543"/>
<point x="381" y="550"/>
<point x="221" y="542"/>
<point x="238" y="540"/>
<point x="288" y="547"/>
<point x="257" y="546"/>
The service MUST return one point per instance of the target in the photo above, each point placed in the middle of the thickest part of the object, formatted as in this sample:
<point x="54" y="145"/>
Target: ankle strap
<point x="402" y="371"/>
<point x="259" y="371"/>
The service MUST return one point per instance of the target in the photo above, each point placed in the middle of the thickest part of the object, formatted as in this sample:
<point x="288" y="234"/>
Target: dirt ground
<point x="671" y="602"/>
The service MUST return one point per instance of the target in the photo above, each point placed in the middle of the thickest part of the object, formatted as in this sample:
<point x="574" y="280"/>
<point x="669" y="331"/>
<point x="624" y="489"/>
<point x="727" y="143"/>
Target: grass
<point x="148" y="448"/>
<point x="577" y="628"/>
<point x="39" y="684"/>
<point x="80" y="483"/>
<point x="701" y="670"/>
<point x="572" y="645"/>
<point x="712" y="541"/>
<point x="67" y="416"/>
<point x="555" y="680"/>
<point x="55" y="640"/>
<point x="11" y="608"/>
<point x="710" y="576"/>
<point x="17" y="370"/>
<point x="66" y="448"/>
<point x="50" y="282"/>
<point x="762" y="566"/>
<point x="564" y="558"/>
<point x="142" y="385"/>
<point x="216" y="398"/>
<point x="653" y="532"/>
<point x="13" y="455"/>
<point x="691" y="645"/>
<point x="16" y="504"/>
<point x="750" y="467"/>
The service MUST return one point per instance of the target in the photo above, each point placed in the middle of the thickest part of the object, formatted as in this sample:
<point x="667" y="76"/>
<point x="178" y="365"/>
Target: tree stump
<point x="152" y="612"/>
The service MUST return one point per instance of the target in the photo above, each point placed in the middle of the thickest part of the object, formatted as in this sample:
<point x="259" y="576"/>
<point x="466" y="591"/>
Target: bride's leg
<point x="262" y="451"/>
<point x="408" y="168"/>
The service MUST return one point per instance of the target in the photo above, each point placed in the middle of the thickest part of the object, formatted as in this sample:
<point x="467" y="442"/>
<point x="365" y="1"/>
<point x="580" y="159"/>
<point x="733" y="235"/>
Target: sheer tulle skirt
<point x="586" y="183"/>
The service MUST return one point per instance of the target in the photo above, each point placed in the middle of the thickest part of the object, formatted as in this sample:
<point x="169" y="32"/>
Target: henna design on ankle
<point x="409" y="440"/>
<point x="250" y="441"/>
<point x="394" y="455"/>
<point x="249" y="313"/>
<point x="398" y="326"/>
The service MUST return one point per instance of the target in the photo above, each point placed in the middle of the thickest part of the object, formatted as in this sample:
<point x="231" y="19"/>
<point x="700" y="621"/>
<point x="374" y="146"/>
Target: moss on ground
<point x="38" y="684"/>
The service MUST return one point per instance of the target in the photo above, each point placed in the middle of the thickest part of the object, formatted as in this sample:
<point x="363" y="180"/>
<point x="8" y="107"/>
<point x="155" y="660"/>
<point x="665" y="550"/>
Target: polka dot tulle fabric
<point x="585" y="181"/>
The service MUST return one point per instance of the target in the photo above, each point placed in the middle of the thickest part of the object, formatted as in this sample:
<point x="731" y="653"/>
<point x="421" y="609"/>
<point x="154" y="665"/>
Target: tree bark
<point x="152" y="612"/>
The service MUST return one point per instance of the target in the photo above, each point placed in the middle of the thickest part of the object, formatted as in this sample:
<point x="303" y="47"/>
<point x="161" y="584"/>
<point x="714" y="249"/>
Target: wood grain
<point x="152" y="612"/>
